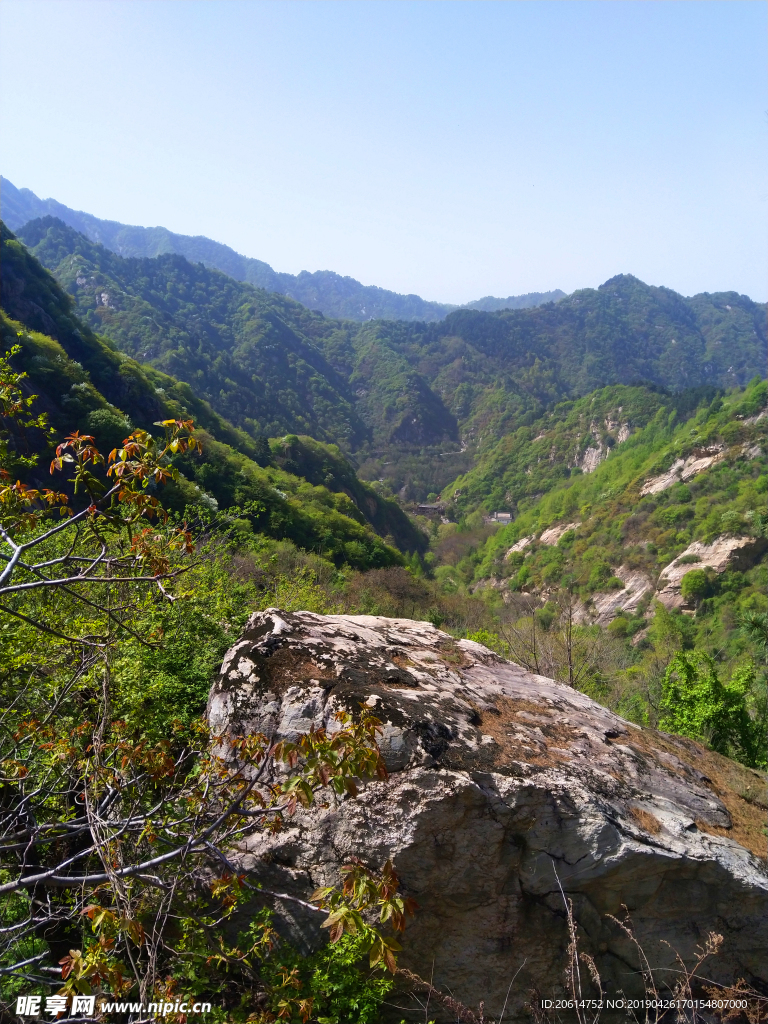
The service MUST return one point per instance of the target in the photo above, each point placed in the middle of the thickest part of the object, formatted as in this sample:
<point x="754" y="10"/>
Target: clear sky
<point x="451" y="149"/>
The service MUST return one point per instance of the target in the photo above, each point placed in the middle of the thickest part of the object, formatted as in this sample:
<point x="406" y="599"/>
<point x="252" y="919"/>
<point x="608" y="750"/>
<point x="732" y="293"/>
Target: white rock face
<point x="554" y="533"/>
<point x="684" y="469"/>
<point x="520" y="545"/>
<point x="592" y="459"/>
<point x="606" y="607"/>
<point x="498" y="780"/>
<point x="723" y="553"/>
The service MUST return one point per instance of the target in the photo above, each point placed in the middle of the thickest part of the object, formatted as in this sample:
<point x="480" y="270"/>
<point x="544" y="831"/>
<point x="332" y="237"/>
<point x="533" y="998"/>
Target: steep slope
<point x="244" y="350"/>
<point x="513" y="473"/>
<point x="264" y="361"/>
<point x="323" y="290"/>
<point x="682" y="494"/>
<point x="83" y="384"/>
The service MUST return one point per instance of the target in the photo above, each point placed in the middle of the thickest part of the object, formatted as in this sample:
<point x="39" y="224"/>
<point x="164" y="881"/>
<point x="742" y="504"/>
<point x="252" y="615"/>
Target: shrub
<point x="599" y="576"/>
<point x="697" y="704"/>
<point x="695" y="585"/>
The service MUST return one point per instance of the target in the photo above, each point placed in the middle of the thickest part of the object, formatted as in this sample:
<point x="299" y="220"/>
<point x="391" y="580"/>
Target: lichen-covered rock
<point x="503" y="785"/>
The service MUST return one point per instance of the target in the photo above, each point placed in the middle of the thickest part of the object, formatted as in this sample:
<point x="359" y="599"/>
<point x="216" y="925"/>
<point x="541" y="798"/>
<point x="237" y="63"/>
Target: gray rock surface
<point x="502" y="782"/>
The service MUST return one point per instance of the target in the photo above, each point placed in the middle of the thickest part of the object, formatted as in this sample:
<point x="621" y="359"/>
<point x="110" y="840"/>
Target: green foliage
<point x="695" y="585"/>
<point x="696" y="703"/>
<point x="490" y="640"/>
<point x="337" y="514"/>
<point x="343" y="988"/>
<point x="619" y="527"/>
<point x="245" y="351"/>
<point x="399" y="393"/>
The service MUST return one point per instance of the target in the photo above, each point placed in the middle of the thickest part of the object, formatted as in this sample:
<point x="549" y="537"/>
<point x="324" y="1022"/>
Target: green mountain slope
<point x="264" y="361"/>
<point x="400" y="394"/>
<point x="572" y="439"/>
<point x="323" y="290"/>
<point x="679" y="479"/>
<point x="243" y="349"/>
<point x="83" y="384"/>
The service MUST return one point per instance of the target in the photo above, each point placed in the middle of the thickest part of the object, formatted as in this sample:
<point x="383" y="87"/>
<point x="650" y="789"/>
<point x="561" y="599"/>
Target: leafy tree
<point x="695" y="585"/>
<point x="108" y="835"/>
<point x="696" y="703"/>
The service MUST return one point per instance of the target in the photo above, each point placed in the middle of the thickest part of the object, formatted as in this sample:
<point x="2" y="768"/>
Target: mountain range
<point x="323" y="290"/>
<point x="622" y="430"/>
<point x="413" y="402"/>
<point x="296" y="488"/>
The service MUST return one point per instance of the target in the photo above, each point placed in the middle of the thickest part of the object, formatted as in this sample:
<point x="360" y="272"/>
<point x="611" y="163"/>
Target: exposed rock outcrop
<point x="552" y="535"/>
<point x="592" y="458"/>
<point x="520" y="545"/>
<point x="606" y="606"/>
<point x="684" y="469"/>
<point x="723" y="553"/>
<point x="502" y="782"/>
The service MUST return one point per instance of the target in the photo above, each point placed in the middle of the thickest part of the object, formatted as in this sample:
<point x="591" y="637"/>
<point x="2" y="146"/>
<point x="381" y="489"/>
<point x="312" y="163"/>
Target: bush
<point x="337" y="978"/>
<point x="599" y="576"/>
<point x="697" y="704"/>
<point x="695" y="585"/>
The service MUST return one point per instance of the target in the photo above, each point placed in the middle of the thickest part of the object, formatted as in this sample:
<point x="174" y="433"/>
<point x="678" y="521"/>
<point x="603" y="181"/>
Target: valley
<point x="376" y="510"/>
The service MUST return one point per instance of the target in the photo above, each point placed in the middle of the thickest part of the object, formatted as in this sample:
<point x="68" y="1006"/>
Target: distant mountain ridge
<point x="324" y="290"/>
<point x="297" y="488"/>
<point x="414" y="403"/>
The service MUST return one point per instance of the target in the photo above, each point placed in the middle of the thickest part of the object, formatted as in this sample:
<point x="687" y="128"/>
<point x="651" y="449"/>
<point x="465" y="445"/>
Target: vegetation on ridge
<point x="107" y="690"/>
<point x="399" y="395"/>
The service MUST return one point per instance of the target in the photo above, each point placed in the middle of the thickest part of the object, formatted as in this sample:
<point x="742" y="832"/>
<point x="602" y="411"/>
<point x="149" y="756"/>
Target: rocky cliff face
<point x="502" y="782"/>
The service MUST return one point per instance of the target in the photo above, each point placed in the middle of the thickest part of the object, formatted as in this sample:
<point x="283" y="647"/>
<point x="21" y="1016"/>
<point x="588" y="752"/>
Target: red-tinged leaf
<point x="390" y="961"/>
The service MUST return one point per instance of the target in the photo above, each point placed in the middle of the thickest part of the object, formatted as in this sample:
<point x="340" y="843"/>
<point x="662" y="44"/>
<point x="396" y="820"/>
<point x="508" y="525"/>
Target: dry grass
<point x="509" y="716"/>
<point x="741" y="789"/>
<point x="646" y="820"/>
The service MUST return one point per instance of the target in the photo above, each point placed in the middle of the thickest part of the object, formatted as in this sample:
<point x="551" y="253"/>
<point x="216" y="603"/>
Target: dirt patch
<point x="453" y="655"/>
<point x="527" y="731"/>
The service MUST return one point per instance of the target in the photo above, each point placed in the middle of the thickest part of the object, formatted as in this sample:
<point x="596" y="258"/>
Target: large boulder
<point x="503" y="787"/>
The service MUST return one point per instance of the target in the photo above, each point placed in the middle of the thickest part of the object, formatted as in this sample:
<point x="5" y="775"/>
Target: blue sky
<point x="452" y="149"/>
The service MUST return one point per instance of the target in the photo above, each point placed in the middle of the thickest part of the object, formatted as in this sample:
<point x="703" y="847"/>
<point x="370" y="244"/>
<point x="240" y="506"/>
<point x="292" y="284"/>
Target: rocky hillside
<point x="507" y="794"/>
<point x="638" y="495"/>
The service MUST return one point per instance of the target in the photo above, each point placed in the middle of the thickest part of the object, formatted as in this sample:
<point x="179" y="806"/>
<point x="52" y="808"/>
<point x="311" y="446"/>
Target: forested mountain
<point x="406" y="397"/>
<point x="491" y="305"/>
<point x="323" y="290"/>
<point x="295" y="488"/>
<point x="627" y="497"/>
